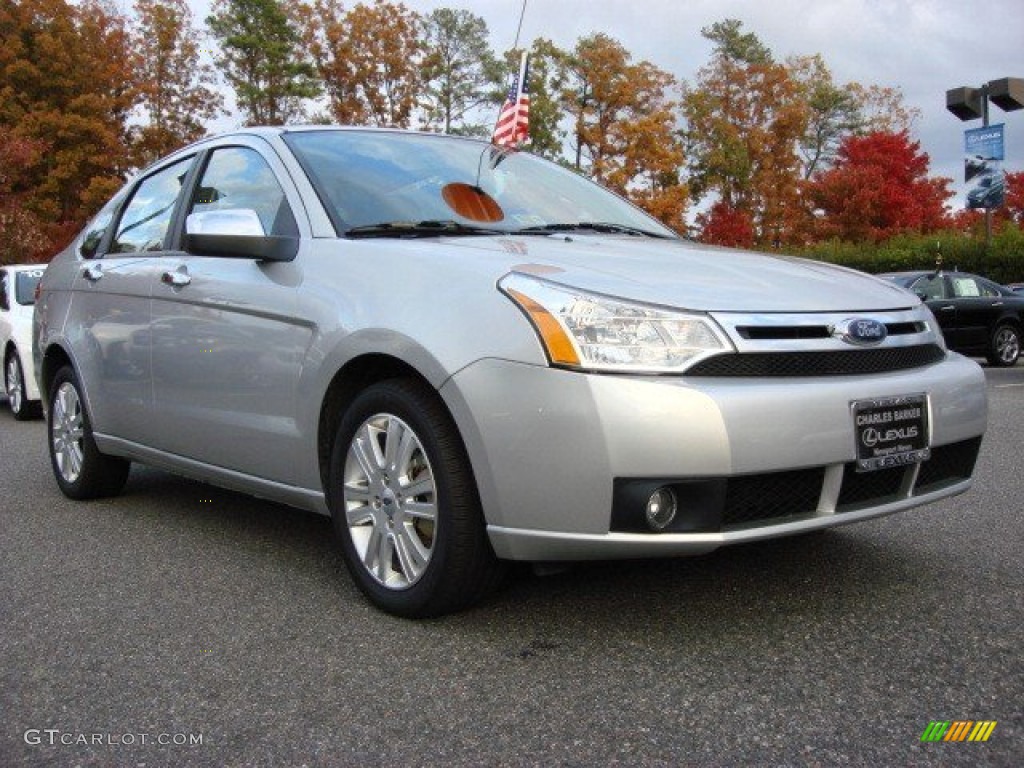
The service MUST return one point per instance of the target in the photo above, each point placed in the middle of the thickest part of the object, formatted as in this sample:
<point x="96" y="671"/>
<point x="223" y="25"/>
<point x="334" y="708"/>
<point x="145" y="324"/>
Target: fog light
<point x="661" y="509"/>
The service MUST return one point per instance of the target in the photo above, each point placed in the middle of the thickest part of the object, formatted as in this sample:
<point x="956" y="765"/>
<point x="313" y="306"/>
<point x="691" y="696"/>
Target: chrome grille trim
<point x="811" y="331"/>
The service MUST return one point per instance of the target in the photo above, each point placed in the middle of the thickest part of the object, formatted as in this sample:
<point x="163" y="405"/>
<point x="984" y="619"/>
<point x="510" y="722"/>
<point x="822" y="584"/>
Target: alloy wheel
<point x="15" y="392"/>
<point x="390" y="501"/>
<point x="1007" y="346"/>
<point x="67" y="432"/>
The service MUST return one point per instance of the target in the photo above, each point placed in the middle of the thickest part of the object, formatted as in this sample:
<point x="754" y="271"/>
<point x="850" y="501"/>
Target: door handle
<point x="947" y="308"/>
<point x="997" y="303"/>
<point x="92" y="273"/>
<point x="177" y="279"/>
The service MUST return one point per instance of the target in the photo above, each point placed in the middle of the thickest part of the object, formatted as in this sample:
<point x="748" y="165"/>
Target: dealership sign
<point x="983" y="166"/>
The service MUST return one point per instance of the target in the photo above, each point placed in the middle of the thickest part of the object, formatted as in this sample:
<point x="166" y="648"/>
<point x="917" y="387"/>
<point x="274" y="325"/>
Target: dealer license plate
<point x="891" y="431"/>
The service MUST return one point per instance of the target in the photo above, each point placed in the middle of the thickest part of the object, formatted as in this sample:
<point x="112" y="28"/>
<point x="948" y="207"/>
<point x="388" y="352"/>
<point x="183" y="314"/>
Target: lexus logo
<point x="861" y="331"/>
<point x="872" y="437"/>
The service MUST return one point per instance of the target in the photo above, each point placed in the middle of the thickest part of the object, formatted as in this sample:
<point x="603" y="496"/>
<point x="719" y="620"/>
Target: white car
<point x="17" y="297"/>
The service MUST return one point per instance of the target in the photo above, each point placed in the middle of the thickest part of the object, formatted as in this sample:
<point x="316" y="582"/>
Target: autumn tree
<point x="67" y="87"/>
<point x="1013" y="209"/>
<point x="724" y="225"/>
<point x="176" y="89"/>
<point x="369" y="58"/>
<point x="262" y="59"/>
<point x="21" y="231"/>
<point x="460" y="73"/>
<point x="744" y="118"/>
<point x="833" y="112"/>
<point x="837" y="110"/>
<point x="878" y="187"/>
<point x="624" y="126"/>
<point x="884" y="109"/>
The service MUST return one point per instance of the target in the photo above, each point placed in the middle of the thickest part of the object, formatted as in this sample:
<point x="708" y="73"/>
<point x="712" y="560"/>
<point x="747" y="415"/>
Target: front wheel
<point x="81" y="471"/>
<point x="405" y="505"/>
<point x="22" y="408"/>
<point x="1005" y="346"/>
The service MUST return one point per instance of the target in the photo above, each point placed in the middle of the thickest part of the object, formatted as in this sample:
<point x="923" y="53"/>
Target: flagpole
<point x="511" y="110"/>
<point x="519" y="29"/>
<point x="522" y="72"/>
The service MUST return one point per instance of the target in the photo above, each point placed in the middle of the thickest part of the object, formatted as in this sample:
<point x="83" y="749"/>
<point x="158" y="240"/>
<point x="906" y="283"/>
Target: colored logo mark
<point x="958" y="730"/>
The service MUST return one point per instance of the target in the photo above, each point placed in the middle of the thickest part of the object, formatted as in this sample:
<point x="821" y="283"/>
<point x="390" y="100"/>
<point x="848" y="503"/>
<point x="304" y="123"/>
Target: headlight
<point x="592" y="332"/>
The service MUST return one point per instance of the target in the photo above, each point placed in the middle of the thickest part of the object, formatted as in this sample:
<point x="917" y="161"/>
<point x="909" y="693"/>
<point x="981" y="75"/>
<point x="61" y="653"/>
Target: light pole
<point x="1007" y="93"/>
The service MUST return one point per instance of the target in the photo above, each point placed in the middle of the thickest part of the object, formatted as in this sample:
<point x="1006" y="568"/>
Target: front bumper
<point x="548" y="446"/>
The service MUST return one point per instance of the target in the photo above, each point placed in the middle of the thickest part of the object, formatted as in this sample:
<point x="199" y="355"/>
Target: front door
<point x="227" y="350"/>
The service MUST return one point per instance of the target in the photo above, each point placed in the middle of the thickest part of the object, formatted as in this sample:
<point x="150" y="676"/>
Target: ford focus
<point x="467" y="356"/>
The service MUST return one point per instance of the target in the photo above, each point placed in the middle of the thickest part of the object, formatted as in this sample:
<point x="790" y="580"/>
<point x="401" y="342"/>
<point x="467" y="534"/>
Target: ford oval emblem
<point x="862" y="331"/>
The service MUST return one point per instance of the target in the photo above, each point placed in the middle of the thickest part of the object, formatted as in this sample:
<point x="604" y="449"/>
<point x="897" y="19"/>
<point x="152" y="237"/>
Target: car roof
<point x="910" y="273"/>
<point x="273" y="131"/>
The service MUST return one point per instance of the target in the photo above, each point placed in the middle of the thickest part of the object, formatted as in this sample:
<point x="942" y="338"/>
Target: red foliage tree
<point x="1013" y="209"/>
<point x="724" y="224"/>
<point x="878" y="187"/>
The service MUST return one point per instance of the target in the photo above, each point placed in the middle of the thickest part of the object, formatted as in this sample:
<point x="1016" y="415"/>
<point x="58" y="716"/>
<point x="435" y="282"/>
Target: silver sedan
<point x="467" y="355"/>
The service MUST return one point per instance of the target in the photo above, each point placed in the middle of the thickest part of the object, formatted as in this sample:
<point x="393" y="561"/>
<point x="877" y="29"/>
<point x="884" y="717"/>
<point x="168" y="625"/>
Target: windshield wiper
<point x="595" y="226"/>
<point x="428" y="228"/>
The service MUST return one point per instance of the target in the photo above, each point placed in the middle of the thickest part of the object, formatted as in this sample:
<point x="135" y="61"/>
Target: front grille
<point x="841" y="363"/>
<point x="948" y="464"/>
<point x="778" y="494"/>
<point x="861" y="489"/>
<point x="789" y="332"/>
<point x="783" y="332"/>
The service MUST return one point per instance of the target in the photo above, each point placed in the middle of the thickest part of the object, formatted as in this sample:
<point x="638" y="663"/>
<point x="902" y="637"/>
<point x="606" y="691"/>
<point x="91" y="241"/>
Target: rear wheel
<point x="81" y="471"/>
<point x="1005" y="346"/>
<point x="405" y="505"/>
<point x="14" y="380"/>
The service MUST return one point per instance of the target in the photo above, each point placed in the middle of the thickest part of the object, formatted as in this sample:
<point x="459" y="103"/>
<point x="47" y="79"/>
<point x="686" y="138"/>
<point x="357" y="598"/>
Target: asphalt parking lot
<point x="184" y="625"/>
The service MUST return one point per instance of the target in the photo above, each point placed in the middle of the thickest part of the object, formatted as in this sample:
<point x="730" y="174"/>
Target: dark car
<point x="977" y="316"/>
<point x="989" y="192"/>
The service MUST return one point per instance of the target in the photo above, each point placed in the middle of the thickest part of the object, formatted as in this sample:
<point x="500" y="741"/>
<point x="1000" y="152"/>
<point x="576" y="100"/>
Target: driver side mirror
<point x="241" y="221"/>
<point x="236" y="233"/>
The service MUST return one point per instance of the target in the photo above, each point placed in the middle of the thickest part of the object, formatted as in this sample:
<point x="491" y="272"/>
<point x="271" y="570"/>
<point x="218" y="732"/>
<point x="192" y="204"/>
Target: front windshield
<point x="369" y="178"/>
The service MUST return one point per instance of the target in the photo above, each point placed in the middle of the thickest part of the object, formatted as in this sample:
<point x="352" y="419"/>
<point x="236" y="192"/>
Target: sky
<point x="923" y="47"/>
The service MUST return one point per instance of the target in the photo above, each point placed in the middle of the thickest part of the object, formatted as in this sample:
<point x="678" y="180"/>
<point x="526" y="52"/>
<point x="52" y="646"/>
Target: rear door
<point x="121" y="257"/>
<point x="978" y="306"/>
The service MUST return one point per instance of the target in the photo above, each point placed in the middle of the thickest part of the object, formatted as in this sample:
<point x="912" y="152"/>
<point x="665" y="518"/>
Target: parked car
<point x="467" y="355"/>
<point x="17" y="297"/>
<point x="977" y="316"/>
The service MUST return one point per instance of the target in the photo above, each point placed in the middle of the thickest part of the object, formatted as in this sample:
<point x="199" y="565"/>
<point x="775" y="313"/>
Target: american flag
<point x="513" y="127"/>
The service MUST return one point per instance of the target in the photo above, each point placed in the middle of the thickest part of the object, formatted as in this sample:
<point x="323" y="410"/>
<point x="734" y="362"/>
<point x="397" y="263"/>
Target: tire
<point x="1004" y="349"/>
<point x="405" y="506"/>
<point x="81" y="471"/>
<point x="14" y="381"/>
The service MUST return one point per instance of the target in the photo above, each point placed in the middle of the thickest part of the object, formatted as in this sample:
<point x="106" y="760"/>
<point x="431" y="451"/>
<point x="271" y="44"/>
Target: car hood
<point x="691" y="276"/>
